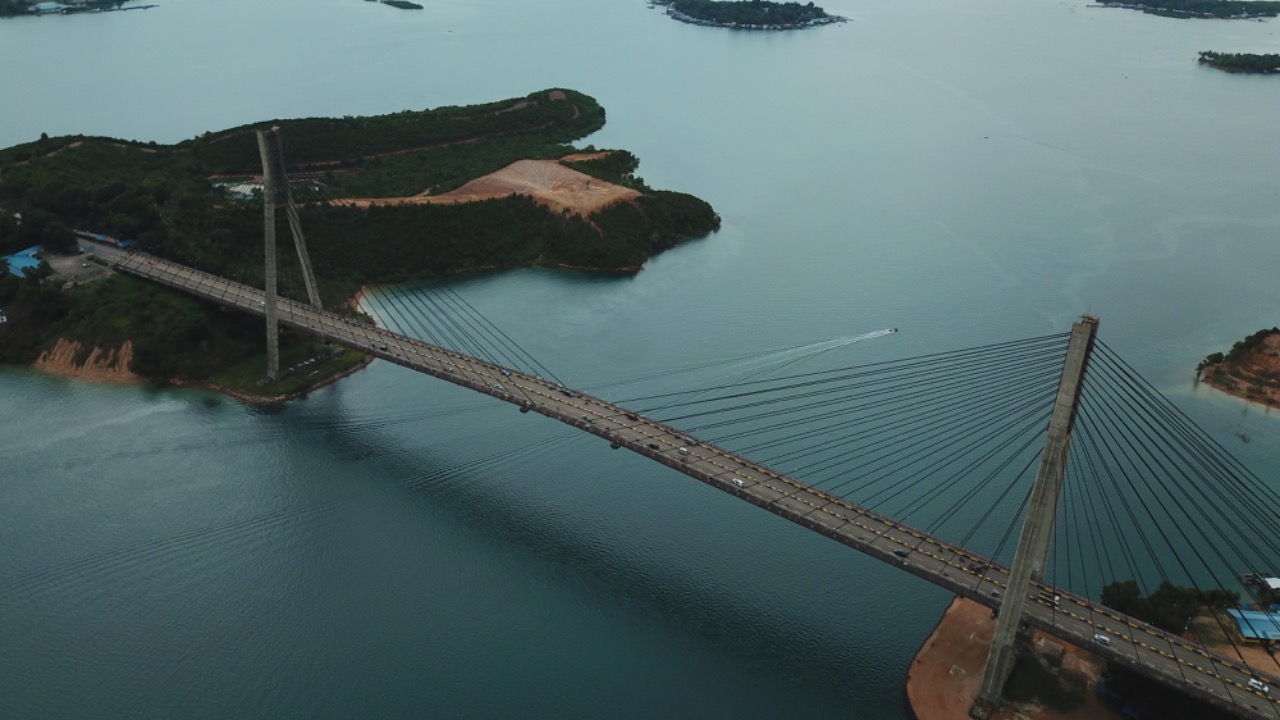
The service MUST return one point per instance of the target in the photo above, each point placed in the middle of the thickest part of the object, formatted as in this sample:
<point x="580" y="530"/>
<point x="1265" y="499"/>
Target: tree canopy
<point x="1169" y="607"/>
<point x="750" y="12"/>
<point x="1265" y="64"/>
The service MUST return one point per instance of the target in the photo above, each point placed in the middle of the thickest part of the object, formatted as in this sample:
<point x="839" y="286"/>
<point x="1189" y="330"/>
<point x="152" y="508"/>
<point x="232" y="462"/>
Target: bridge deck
<point x="1141" y="647"/>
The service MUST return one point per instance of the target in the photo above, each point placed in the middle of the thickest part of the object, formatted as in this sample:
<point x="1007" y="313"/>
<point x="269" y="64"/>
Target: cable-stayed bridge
<point x="1138" y="469"/>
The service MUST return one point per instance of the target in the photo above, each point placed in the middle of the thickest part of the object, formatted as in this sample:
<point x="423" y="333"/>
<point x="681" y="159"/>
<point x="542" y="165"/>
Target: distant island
<point x="14" y="8"/>
<point x="1216" y="9"/>
<point x="1250" y="370"/>
<point x="748" y="14"/>
<point x="385" y="199"/>
<point x="402" y="4"/>
<point x="1252" y="63"/>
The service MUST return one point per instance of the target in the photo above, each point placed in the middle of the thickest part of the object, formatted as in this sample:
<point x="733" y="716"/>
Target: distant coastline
<point x="1203" y="9"/>
<point x="18" y="8"/>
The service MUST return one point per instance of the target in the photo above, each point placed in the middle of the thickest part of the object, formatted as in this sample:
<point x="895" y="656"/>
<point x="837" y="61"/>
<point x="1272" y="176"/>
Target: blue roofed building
<point x="1256" y="625"/>
<point x="28" y="259"/>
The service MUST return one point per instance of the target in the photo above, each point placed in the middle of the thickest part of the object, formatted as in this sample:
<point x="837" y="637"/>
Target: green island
<point x="1249" y="370"/>
<point x="1253" y="63"/>
<point x="14" y="8"/>
<point x="1219" y="9"/>
<point x="748" y="14"/>
<point x="386" y="199"/>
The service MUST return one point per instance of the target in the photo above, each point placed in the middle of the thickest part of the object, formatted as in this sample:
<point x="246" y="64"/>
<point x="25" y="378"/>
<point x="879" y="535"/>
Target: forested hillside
<point x="180" y="202"/>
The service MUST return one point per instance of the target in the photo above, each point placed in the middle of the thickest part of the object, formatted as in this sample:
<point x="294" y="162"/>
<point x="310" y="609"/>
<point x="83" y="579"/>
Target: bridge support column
<point x="1037" y="528"/>
<point x="270" y="194"/>
<point x="275" y="192"/>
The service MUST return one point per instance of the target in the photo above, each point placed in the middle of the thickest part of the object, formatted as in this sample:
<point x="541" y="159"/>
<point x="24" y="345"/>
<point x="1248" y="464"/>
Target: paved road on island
<point x="1154" y="653"/>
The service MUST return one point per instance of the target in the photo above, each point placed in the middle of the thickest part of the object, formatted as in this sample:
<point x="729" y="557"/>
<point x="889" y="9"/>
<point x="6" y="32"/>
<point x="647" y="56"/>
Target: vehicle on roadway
<point x="652" y="446"/>
<point x="738" y="482"/>
<point x="1049" y="597"/>
<point x="1102" y="639"/>
<point x="900" y="553"/>
<point x="1256" y="684"/>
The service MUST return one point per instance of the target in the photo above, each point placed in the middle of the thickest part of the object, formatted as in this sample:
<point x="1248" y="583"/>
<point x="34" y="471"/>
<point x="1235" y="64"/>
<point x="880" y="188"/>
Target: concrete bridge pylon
<point x="275" y="192"/>
<point x="1037" y="528"/>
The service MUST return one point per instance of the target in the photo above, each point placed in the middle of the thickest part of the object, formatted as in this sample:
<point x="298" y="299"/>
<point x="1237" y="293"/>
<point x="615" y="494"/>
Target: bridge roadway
<point x="1162" y="656"/>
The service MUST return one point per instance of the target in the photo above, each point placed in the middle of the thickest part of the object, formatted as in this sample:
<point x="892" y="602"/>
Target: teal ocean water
<point x="393" y="547"/>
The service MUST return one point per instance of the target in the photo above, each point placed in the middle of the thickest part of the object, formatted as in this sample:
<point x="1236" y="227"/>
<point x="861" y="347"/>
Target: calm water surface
<point x="393" y="547"/>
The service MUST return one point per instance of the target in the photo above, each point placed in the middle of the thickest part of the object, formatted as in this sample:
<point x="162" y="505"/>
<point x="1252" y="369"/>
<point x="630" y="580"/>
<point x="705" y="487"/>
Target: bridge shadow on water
<point x="828" y="640"/>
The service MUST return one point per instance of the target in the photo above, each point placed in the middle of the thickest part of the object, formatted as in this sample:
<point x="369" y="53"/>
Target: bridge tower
<point x="275" y="191"/>
<point x="1037" y="528"/>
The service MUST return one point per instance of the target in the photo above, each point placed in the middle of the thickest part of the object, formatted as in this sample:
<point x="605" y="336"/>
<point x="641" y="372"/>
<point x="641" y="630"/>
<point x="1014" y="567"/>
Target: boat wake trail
<point x="776" y="360"/>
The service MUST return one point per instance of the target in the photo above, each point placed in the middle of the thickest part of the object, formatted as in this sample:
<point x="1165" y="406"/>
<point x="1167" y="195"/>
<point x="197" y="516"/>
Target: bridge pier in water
<point x="275" y="192"/>
<point x="1037" y="529"/>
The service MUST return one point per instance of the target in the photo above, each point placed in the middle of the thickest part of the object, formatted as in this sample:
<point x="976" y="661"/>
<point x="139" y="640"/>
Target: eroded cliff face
<point x="103" y="365"/>
<point x="1255" y="376"/>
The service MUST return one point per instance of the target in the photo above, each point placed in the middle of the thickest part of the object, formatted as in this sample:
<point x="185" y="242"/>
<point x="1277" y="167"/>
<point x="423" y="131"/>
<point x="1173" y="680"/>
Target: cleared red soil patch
<point x="584" y="157"/>
<point x="546" y="181"/>
<point x="946" y="675"/>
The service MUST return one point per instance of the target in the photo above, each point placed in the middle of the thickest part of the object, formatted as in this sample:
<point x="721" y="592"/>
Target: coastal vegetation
<point x="1172" y="608"/>
<point x="13" y="8"/>
<point x="179" y="202"/>
<point x="749" y="14"/>
<point x="1261" y="64"/>
<point x="1221" y="9"/>
<point x="1168" y="607"/>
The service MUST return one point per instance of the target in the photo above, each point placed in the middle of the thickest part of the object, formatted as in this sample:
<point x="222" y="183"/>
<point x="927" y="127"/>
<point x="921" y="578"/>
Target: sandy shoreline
<point x="1269" y="400"/>
<point x="946" y="674"/>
